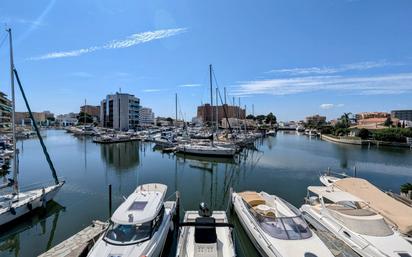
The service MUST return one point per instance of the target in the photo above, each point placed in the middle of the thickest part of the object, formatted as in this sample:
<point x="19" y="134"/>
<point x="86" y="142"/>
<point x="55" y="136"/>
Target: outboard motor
<point x="204" y="210"/>
<point x="205" y="233"/>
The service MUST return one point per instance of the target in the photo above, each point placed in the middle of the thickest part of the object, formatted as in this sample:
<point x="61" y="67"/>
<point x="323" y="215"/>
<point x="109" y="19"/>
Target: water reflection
<point x="10" y="243"/>
<point x="121" y="155"/>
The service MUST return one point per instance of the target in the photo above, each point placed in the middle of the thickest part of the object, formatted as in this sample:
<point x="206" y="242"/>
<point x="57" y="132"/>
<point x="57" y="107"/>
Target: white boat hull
<point x="219" y="151"/>
<point x="272" y="247"/>
<point x="28" y="201"/>
<point x="368" y="246"/>
<point x="150" y="248"/>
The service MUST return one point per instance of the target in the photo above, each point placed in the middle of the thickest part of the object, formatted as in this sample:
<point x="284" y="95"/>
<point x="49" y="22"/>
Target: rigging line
<point x="54" y="173"/>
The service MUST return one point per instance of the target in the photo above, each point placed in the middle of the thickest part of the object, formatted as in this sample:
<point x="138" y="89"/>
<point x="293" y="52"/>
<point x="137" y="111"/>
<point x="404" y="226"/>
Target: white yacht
<point x="205" y="234"/>
<point x="396" y="213"/>
<point x="207" y="150"/>
<point x="275" y="227"/>
<point x="351" y="220"/>
<point x="139" y="227"/>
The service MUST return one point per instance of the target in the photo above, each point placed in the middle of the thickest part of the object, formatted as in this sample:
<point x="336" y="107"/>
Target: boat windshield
<point x="288" y="228"/>
<point x="128" y="234"/>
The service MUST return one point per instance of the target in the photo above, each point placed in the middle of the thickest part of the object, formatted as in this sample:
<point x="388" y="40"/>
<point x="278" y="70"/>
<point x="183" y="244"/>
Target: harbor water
<point x="283" y="165"/>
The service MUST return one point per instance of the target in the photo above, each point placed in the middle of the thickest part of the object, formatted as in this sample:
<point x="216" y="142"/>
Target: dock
<point x="76" y="245"/>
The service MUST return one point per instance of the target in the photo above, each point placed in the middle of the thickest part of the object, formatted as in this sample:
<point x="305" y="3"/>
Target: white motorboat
<point x="275" y="227"/>
<point x="396" y="213"/>
<point x="352" y="221"/>
<point x="139" y="226"/>
<point x="210" y="150"/>
<point x="205" y="234"/>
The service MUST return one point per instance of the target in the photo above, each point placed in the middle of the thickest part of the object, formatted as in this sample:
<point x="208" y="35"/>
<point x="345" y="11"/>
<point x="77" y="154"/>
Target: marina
<point x="88" y="169"/>
<point x="205" y="129"/>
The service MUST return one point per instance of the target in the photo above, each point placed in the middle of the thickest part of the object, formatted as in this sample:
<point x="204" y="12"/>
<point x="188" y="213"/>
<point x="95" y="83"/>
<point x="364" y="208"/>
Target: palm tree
<point x="345" y="119"/>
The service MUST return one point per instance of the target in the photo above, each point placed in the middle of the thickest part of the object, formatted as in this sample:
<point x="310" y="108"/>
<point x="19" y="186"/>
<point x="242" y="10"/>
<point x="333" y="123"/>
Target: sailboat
<point x="18" y="203"/>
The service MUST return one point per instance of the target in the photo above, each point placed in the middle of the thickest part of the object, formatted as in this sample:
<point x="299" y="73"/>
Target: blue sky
<point x="292" y="58"/>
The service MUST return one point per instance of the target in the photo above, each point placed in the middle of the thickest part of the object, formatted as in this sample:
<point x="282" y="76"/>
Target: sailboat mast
<point x="176" y="109"/>
<point x="211" y="92"/>
<point x="217" y="109"/>
<point x="13" y="116"/>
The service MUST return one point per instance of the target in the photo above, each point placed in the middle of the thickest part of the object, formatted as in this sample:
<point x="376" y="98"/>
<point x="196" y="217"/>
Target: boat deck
<point x="75" y="245"/>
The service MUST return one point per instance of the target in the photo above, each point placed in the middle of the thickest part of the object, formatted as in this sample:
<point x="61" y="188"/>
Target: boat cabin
<point x="138" y="217"/>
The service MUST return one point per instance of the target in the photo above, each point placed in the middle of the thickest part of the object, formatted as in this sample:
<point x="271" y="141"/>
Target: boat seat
<point x="265" y="210"/>
<point x="252" y="198"/>
<point x="205" y="234"/>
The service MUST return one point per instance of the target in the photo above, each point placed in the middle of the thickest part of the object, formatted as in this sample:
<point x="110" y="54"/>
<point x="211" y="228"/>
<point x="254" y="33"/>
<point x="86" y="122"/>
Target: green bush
<point x="392" y="134"/>
<point x="364" y="133"/>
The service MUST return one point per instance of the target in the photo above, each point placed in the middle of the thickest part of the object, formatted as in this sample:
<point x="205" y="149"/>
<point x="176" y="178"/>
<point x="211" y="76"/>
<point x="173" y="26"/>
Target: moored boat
<point x="275" y="227"/>
<point x="205" y="234"/>
<point x="351" y="220"/>
<point x="139" y="226"/>
<point x="206" y="150"/>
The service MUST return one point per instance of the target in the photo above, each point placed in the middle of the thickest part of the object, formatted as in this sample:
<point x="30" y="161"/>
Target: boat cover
<point x="252" y="198"/>
<point x="394" y="211"/>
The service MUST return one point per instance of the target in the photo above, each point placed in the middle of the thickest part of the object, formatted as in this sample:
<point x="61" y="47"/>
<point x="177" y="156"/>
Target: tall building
<point x="5" y="112"/>
<point x="120" y="111"/>
<point x="207" y="114"/>
<point x="146" y="116"/>
<point x="402" y="114"/>
<point x="91" y="110"/>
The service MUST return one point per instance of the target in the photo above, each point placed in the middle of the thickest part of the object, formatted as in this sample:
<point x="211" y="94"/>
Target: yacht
<point x="396" y="213"/>
<point x="352" y="221"/>
<point x="275" y="227"/>
<point x="206" y="150"/>
<point x="205" y="234"/>
<point x="139" y="226"/>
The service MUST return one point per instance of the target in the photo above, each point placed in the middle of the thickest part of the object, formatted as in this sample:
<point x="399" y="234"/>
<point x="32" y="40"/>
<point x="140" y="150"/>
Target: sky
<point x="292" y="58"/>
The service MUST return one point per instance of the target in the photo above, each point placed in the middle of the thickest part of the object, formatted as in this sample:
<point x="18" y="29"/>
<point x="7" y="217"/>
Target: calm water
<point x="284" y="165"/>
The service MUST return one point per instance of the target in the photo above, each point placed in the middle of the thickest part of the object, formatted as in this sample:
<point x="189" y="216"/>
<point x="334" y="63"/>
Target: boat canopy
<point x="394" y="211"/>
<point x="334" y="194"/>
<point x="141" y="206"/>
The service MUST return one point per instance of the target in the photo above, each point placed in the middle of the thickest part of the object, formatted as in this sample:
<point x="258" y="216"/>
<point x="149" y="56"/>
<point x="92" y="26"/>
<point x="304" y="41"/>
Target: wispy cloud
<point x="361" y="85"/>
<point x="81" y="74"/>
<point x="190" y="85"/>
<point x="151" y="90"/>
<point x="132" y="40"/>
<point x="330" y="106"/>
<point x="360" y="66"/>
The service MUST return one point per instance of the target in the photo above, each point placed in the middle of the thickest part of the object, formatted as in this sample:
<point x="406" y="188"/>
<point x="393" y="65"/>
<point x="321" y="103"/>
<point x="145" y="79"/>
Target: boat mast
<point x="13" y="116"/>
<point x="176" y="110"/>
<point x="211" y="93"/>
<point x="217" y="109"/>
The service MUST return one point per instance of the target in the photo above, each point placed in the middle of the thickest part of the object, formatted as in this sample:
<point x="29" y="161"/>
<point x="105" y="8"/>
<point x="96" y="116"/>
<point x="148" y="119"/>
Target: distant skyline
<point x="292" y="58"/>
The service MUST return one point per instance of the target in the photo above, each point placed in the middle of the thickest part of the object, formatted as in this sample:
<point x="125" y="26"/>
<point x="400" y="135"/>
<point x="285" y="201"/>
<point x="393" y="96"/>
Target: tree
<point x="270" y="118"/>
<point x="406" y="187"/>
<point x="364" y="133"/>
<point x="260" y="118"/>
<point x="388" y="122"/>
<point x="345" y="120"/>
<point x="250" y="117"/>
<point x="84" y="118"/>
